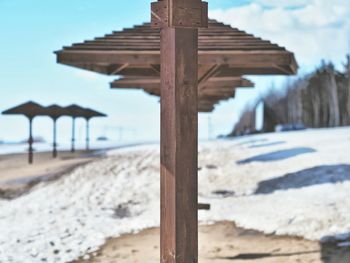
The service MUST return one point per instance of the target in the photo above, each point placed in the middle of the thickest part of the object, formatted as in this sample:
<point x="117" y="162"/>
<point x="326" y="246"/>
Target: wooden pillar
<point x="73" y="135"/>
<point x="87" y="134"/>
<point x="30" y="141"/>
<point x="54" y="144"/>
<point x="179" y="135"/>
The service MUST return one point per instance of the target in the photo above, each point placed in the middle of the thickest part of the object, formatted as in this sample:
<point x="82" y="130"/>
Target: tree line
<point x="317" y="100"/>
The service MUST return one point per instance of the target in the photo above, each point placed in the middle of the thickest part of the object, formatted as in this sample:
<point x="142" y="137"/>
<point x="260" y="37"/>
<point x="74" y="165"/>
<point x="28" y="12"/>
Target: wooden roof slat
<point x="225" y="54"/>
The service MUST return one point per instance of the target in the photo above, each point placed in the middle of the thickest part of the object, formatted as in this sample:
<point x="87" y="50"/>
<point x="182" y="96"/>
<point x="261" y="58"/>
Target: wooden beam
<point x="179" y="127"/>
<point x="263" y="62"/>
<point x="179" y="146"/>
<point x="203" y="206"/>
<point x="150" y="82"/>
<point x="116" y="70"/>
<point x="206" y="72"/>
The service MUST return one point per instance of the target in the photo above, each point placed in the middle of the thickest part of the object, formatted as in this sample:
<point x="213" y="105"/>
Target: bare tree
<point x="320" y="99"/>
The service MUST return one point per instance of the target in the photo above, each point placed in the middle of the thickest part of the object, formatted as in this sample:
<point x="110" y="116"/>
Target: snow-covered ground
<point x="294" y="183"/>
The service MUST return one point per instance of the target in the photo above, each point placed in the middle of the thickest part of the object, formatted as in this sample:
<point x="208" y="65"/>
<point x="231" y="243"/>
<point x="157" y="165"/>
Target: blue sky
<point x="32" y="30"/>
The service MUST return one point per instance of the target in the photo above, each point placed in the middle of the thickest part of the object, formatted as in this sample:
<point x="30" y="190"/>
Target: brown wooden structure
<point x="212" y="92"/>
<point x="55" y="112"/>
<point x="30" y="110"/>
<point x="75" y="111"/>
<point x="178" y="57"/>
<point x="88" y="115"/>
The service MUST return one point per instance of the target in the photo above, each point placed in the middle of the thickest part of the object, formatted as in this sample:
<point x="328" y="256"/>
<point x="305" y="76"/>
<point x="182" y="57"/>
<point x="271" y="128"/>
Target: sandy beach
<point x="220" y="242"/>
<point x="17" y="176"/>
<point x="274" y="198"/>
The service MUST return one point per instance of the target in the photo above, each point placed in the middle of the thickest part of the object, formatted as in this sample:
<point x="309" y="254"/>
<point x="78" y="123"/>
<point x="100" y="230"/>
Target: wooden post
<point x="87" y="134"/>
<point x="30" y="141"/>
<point x="54" y="144"/>
<point x="73" y="135"/>
<point x="179" y="149"/>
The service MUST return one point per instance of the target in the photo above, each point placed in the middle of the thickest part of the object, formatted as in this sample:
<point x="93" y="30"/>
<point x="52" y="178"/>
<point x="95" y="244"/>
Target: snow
<point x="294" y="183"/>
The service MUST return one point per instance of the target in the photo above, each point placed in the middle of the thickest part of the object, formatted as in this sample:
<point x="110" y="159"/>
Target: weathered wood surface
<point x="179" y="146"/>
<point x="135" y="51"/>
<point x="179" y="130"/>
<point x="134" y="54"/>
<point x="210" y="93"/>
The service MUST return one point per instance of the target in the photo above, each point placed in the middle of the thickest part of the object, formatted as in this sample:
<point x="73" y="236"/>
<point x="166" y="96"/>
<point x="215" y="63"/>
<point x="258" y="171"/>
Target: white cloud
<point x="317" y="29"/>
<point x="285" y="3"/>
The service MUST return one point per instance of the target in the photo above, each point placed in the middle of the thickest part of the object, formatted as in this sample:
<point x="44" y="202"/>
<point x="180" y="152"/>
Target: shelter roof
<point x="29" y="109"/>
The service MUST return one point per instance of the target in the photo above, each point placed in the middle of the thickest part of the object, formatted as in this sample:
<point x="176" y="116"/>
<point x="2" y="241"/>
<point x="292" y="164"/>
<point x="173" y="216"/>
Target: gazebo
<point x="55" y="112"/>
<point x="185" y="56"/>
<point x="89" y="114"/>
<point x="75" y="111"/>
<point x="30" y="110"/>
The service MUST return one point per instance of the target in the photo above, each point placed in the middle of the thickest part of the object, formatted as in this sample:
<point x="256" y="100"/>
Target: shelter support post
<point x="54" y="144"/>
<point x="73" y="135"/>
<point x="179" y="227"/>
<point x="30" y="141"/>
<point x="179" y="126"/>
<point x="87" y="134"/>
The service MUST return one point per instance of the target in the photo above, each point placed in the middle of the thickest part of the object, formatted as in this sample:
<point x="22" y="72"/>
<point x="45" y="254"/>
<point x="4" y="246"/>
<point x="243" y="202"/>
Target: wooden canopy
<point x="75" y="111"/>
<point x="55" y="111"/>
<point x="225" y="54"/>
<point x="29" y="109"/>
<point x="90" y="113"/>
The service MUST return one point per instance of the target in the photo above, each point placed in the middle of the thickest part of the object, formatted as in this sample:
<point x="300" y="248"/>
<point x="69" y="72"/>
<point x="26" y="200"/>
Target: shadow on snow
<point x="278" y="155"/>
<point x="308" y="177"/>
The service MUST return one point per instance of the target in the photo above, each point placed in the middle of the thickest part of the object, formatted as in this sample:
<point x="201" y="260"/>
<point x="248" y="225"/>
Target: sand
<point x="17" y="176"/>
<point x="222" y="243"/>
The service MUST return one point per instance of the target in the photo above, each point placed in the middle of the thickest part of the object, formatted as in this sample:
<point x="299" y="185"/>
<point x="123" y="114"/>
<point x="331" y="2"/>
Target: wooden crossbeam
<point x="214" y="89"/>
<point x="206" y="72"/>
<point x="253" y="62"/>
<point x="119" y="68"/>
<point x="216" y="82"/>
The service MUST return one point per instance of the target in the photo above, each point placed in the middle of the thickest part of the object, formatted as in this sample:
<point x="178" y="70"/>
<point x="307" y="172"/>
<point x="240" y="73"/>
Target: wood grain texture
<point x="179" y="220"/>
<point x="130" y="52"/>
